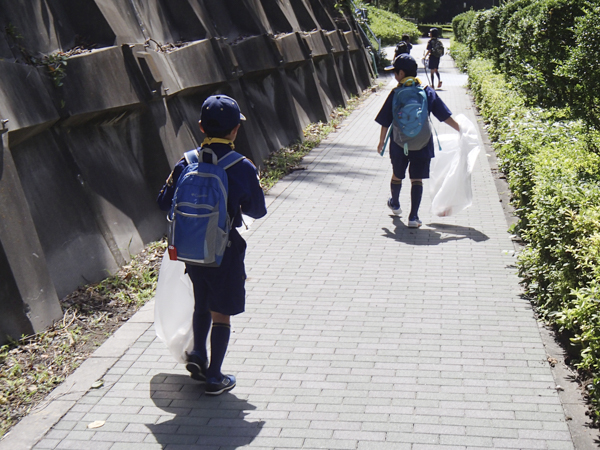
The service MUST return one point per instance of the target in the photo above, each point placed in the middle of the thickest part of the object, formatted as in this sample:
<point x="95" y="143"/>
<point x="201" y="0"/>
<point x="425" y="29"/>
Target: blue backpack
<point x="199" y="224"/>
<point x="411" y="116"/>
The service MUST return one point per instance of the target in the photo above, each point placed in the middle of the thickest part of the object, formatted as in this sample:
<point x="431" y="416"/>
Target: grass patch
<point x="33" y="366"/>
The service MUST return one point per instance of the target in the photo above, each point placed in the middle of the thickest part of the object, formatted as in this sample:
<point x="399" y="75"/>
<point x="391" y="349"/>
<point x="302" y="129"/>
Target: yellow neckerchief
<point x="215" y="140"/>
<point x="408" y="81"/>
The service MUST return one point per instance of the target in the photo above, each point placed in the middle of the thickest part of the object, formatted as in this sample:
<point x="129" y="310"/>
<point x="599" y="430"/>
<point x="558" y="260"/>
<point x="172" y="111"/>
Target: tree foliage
<point x="389" y="27"/>
<point x="416" y="9"/>
<point x="539" y="43"/>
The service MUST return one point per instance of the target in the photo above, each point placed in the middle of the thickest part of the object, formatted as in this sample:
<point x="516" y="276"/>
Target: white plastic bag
<point x="451" y="169"/>
<point x="174" y="308"/>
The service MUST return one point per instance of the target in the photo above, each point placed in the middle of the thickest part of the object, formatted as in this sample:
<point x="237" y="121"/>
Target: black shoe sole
<point x="220" y="390"/>
<point x="195" y="372"/>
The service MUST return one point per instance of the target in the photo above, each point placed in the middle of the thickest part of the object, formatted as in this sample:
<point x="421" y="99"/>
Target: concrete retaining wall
<point x="88" y="145"/>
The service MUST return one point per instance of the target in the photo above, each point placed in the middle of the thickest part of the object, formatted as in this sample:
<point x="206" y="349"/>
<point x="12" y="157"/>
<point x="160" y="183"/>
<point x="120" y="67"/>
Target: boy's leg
<point x="418" y="170"/>
<point x="217" y="383"/>
<point x="416" y="194"/>
<point x="228" y="298"/>
<point x="197" y="360"/>
<point x="439" y="79"/>
<point x="394" y="201"/>
<point x="201" y="326"/>
<point x="219" y="340"/>
<point x="399" y="166"/>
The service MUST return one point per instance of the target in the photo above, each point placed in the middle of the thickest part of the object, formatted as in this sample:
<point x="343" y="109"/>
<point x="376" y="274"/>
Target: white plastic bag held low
<point x="174" y="308"/>
<point x="451" y="169"/>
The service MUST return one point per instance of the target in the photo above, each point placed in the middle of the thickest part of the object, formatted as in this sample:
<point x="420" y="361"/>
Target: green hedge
<point x="390" y="27"/>
<point x="549" y="48"/>
<point x="553" y="169"/>
<point x="461" y="25"/>
<point x="460" y="53"/>
<point x="581" y="68"/>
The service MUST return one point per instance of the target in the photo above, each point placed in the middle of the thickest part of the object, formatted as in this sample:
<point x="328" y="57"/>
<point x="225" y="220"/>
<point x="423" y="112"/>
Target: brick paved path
<point x="359" y="333"/>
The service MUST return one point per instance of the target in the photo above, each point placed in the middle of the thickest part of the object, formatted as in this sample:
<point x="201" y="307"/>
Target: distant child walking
<point x="403" y="153"/>
<point x="435" y="50"/>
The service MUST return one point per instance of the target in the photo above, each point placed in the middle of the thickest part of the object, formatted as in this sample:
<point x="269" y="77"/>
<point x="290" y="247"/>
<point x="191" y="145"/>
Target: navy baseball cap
<point x="403" y="62"/>
<point x="220" y="113"/>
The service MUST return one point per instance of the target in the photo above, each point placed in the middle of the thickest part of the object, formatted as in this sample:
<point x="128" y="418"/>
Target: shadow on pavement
<point x="432" y="233"/>
<point x="199" y="421"/>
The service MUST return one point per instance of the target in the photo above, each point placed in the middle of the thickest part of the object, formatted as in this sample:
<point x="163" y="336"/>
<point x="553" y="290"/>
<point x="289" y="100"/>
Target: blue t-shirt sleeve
<point x="253" y="203"/>
<point x="165" y="196"/>
<point x="437" y="107"/>
<point x="385" y="116"/>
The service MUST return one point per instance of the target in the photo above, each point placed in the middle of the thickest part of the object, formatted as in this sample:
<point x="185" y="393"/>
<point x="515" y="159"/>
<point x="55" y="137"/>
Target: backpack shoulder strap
<point x="207" y="151"/>
<point x="191" y="156"/>
<point x="228" y="160"/>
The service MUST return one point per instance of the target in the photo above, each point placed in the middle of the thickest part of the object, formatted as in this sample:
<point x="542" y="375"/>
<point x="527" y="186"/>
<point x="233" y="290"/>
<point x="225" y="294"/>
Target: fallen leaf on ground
<point x="97" y="424"/>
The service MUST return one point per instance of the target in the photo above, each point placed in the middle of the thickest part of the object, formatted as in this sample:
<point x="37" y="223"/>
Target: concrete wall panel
<point x="97" y="82"/>
<point x="27" y="294"/>
<point x="257" y="54"/>
<point x="310" y="102"/>
<point x="189" y="20"/>
<point x="195" y="66"/>
<point x="123" y="20"/>
<point x="234" y="19"/>
<point x="272" y="110"/>
<point x="25" y="101"/>
<point x="62" y="209"/>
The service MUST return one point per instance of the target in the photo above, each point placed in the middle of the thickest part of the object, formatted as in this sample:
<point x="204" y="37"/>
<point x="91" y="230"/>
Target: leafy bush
<point x="461" y="25"/>
<point x="530" y="40"/>
<point x="553" y="170"/>
<point x="389" y="27"/>
<point x="460" y="53"/>
<point x="536" y="39"/>
<point x="581" y="68"/>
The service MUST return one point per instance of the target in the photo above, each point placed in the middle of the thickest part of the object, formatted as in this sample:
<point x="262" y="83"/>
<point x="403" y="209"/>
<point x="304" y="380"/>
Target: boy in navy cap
<point x="219" y="292"/>
<point x="417" y="161"/>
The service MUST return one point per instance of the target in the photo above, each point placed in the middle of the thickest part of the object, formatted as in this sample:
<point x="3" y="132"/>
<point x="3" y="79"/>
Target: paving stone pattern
<point x="360" y="333"/>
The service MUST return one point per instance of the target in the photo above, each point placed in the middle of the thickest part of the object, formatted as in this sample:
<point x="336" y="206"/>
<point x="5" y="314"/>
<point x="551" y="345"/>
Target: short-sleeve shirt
<point x="436" y="106"/>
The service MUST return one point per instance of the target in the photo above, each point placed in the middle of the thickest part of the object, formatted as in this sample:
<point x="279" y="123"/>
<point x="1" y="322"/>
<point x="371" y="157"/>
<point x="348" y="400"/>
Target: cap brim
<point x="242" y="117"/>
<point x="389" y="68"/>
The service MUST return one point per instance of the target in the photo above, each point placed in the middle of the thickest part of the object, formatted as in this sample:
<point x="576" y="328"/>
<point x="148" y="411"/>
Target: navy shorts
<point x="418" y="167"/>
<point x="434" y="62"/>
<point x="222" y="289"/>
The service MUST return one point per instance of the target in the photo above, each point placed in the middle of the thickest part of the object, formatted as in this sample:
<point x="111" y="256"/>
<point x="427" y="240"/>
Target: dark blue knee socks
<point x="201" y="326"/>
<point x="416" y="193"/>
<point x="395" y="187"/>
<point x="219" y="340"/>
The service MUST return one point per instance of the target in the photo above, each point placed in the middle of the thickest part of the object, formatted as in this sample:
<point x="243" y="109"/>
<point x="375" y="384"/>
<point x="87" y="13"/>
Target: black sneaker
<point x="197" y="368"/>
<point x="214" y="387"/>
<point x="396" y="210"/>
<point x="415" y="222"/>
